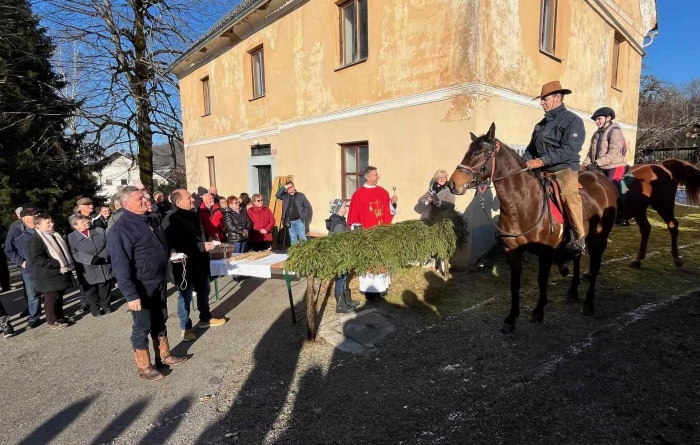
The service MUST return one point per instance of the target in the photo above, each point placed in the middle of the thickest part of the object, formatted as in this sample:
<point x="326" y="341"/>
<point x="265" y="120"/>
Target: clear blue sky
<point x="675" y="54"/>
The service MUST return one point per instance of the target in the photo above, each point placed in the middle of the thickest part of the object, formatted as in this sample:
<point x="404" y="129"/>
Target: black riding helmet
<point x="605" y="111"/>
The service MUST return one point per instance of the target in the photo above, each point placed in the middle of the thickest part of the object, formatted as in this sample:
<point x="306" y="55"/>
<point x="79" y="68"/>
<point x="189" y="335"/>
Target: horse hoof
<point x="507" y="328"/>
<point x="564" y="271"/>
<point x="588" y="310"/>
<point x="536" y="318"/>
<point x="586" y="276"/>
<point x="636" y="264"/>
<point x="678" y="261"/>
<point x="572" y="296"/>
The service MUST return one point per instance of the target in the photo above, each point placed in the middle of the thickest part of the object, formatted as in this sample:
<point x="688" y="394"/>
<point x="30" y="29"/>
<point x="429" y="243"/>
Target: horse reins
<point x="482" y="186"/>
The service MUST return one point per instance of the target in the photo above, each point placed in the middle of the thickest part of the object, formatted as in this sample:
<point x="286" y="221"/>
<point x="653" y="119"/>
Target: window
<point x="261" y="150"/>
<point x="108" y="182"/>
<point x="206" y="98"/>
<point x="617" y="43"/>
<point x="123" y="181"/>
<point x="258" y="65"/>
<point x="353" y="32"/>
<point x="548" y="26"/>
<point x="212" y="171"/>
<point x="355" y="160"/>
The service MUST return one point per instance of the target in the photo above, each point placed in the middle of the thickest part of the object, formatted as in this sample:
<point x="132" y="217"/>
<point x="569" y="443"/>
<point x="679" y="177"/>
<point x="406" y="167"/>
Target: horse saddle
<point x="555" y="203"/>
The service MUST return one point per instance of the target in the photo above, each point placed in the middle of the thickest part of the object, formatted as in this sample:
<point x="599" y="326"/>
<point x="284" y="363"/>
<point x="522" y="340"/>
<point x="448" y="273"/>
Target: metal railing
<point x="649" y="156"/>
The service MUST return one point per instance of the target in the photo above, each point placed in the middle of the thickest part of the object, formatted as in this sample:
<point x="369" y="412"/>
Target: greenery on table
<point x="380" y="248"/>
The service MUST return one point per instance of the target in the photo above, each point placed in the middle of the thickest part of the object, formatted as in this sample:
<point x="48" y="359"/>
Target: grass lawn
<point x="487" y="283"/>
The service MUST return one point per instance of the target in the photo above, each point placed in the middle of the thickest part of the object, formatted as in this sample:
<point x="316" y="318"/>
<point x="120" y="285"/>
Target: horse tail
<point x="687" y="175"/>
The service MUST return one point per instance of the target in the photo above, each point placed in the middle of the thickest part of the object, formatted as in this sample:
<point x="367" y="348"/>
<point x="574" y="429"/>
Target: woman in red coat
<point x="263" y="222"/>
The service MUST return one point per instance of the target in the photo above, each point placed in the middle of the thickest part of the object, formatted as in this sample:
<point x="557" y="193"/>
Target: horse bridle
<point x="482" y="186"/>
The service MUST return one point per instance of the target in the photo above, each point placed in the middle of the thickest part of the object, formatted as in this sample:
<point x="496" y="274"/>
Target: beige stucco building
<point x="320" y="88"/>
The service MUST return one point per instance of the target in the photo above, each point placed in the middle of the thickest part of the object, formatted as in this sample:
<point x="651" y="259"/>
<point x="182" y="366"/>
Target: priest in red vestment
<point x="371" y="205"/>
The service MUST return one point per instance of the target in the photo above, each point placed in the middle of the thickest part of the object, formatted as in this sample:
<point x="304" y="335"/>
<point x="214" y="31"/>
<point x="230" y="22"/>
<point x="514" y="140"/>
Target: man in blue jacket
<point x="295" y="210"/>
<point x="17" y="250"/>
<point x="556" y="147"/>
<point x="138" y="263"/>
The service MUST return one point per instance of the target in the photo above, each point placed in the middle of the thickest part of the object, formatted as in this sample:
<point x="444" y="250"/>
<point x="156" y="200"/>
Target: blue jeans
<point x="33" y="298"/>
<point x="297" y="231"/>
<point x="240" y="246"/>
<point x="340" y="285"/>
<point x="184" y="302"/>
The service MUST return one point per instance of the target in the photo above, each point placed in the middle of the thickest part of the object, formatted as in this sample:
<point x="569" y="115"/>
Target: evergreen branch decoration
<point x="382" y="247"/>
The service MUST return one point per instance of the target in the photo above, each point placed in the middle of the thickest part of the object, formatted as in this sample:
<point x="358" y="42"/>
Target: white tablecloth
<point x="258" y="268"/>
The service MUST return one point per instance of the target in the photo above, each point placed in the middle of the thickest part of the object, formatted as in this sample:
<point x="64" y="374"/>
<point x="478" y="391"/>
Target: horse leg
<point x="672" y="224"/>
<point x="596" y="258"/>
<point x="644" y="230"/>
<point x="515" y="260"/>
<point x="545" y="257"/>
<point x="572" y="293"/>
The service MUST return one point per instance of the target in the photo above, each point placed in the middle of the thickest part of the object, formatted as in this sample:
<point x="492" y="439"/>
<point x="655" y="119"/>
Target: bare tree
<point x="669" y="116"/>
<point x="123" y="49"/>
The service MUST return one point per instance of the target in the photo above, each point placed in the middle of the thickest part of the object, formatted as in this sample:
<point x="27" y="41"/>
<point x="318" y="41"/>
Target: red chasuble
<point x="370" y="206"/>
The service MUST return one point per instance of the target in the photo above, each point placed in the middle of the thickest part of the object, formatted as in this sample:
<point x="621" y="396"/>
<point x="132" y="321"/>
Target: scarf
<point x="57" y="249"/>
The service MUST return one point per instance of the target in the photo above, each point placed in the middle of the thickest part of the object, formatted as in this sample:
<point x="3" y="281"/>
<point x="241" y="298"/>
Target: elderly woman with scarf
<point x="52" y="263"/>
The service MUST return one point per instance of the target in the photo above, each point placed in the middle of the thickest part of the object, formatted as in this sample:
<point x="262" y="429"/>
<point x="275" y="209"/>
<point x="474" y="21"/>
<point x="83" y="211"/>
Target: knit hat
<point x="336" y="205"/>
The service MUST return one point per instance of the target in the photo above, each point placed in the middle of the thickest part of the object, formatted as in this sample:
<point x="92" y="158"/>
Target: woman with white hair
<point x="438" y="198"/>
<point x="53" y="265"/>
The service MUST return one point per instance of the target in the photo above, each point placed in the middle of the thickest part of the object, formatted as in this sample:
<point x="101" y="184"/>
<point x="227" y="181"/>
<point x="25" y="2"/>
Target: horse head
<point x="475" y="168"/>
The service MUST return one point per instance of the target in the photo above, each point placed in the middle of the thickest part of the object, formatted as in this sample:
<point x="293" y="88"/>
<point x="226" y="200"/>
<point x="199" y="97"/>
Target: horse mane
<point x="519" y="159"/>
<point x="687" y="175"/>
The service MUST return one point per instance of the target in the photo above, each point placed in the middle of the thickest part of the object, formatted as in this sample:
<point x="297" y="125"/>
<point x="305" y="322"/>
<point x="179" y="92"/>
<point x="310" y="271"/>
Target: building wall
<point x="435" y="72"/>
<point x="301" y="62"/>
<point x="121" y="169"/>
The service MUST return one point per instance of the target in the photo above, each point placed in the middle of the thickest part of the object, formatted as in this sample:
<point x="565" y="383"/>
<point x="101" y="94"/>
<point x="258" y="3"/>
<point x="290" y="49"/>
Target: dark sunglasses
<point x="258" y="200"/>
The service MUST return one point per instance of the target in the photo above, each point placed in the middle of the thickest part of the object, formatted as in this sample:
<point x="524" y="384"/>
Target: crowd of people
<point x="142" y="243"/>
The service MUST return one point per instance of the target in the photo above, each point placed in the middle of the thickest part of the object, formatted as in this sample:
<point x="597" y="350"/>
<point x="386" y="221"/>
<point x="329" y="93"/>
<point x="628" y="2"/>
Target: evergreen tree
<point x="39" y="160"/>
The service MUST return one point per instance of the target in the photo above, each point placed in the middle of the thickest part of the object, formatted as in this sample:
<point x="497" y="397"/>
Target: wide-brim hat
<point x="551" y="88"/>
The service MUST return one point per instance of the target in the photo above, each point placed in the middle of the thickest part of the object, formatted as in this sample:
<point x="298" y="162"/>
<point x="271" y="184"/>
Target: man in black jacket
<point x="295" y="210"/>
<point x="556" y="147"/>
<point x="185" y="235"/>
<point x="138" y="263"/>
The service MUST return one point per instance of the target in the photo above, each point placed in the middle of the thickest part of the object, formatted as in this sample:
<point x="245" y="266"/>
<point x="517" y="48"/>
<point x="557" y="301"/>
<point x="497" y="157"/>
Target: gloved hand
<point x="592" y="167"/>
<point x="436" y="201"/>
<point x="98" y="261"/>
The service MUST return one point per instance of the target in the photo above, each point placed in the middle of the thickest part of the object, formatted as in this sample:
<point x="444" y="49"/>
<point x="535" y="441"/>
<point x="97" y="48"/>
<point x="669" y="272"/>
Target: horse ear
<point x="473" y="136"/>
<point x="492" y="131"/>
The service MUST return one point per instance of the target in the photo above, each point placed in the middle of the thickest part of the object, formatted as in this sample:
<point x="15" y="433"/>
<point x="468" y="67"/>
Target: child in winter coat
<point x="337" y="223"/>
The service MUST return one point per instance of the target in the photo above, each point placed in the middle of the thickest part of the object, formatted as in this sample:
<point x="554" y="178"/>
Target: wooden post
<point x="310" y="308"/>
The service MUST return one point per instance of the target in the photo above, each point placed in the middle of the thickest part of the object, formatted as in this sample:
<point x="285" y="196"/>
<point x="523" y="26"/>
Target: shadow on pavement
<point x="121" y="422"/>
<point x="167" y="421"/>
<point x="50" y="429"/>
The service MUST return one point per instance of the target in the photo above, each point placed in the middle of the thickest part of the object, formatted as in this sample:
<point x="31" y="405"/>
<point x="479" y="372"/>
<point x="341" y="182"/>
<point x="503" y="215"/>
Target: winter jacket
<point x="557" y="140"/>
<point x="100" y="221"/>
<point x="236" y="223"/>
<point x="137" y="255"/>
<point x="610" y="154"/>
<point x="17" y="246"/>
<point x="162" y="208"/>
<point x="47" y="270"/>
<point x="185" y="234"/>
<point x="303" y="204"/>
<point x="261" y="218"/>
<point x="336" y="224"/>
<point x="213" y="222"/>
<point x="443" y="199"/>
<point x="91" y="256"/>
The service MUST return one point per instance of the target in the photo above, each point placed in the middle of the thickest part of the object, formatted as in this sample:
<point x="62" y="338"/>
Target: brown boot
<point x="166" y="357"/>
<point x="143" y="363"/>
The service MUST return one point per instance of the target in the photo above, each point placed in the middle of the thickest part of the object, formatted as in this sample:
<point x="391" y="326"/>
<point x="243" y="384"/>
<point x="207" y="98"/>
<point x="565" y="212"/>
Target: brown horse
<point x="656" y="185"/>
<point x="524" y="223"/>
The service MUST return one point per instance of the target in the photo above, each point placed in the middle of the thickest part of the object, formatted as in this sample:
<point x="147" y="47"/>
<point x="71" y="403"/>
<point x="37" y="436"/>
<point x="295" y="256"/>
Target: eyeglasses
<point x="258" y="200"/>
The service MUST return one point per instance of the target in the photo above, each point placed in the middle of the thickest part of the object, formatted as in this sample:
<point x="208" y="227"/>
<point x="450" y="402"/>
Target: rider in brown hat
<point x="555" y="147"/>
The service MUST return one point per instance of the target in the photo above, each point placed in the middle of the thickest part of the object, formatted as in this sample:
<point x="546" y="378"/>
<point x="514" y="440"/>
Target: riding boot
<point x="347" y="297"/>
<point x="165" y="356"/>
<point x="143" y="364"/>
<point x="341" y="307"/>
<point x="156" y="352"/>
